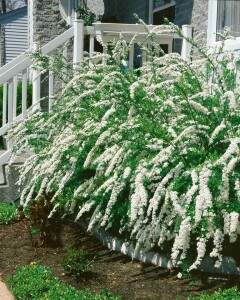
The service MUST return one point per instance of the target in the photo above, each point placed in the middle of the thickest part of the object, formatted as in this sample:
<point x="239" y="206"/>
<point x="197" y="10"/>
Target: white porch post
<point x="78" y="41"/>
<point x="186" y="46"/>
<point x="10" y="110"/>
<point x="212" y="21"/>
<point x="30" y="23"/>
<point x="36" y="84"/>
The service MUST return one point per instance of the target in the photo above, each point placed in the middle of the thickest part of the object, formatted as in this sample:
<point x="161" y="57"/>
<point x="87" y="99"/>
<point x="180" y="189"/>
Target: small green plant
<point x="77" y="262"/>
<point x="87" y="16"/>
<point x="44" y="226"/>
<point x="35" y="282"/>
<point x="7" y="213"/>
<point x="228" y="294"/>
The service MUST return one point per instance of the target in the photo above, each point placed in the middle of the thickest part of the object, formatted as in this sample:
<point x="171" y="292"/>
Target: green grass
<point x="35" y="282"/>
<point x="7" y="213"/>
<point x="228" y="294"/>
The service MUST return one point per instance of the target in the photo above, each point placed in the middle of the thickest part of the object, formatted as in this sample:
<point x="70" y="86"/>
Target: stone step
<point x="9" y="191"/>
<point x="2" y="171"/>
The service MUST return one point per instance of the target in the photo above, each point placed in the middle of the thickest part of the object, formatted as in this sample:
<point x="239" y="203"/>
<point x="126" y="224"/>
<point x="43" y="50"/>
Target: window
<point x="163" y="9"/>
<point x="228" y="14"/>
<point x="67" y="9"/>
<point x="223" y="13"/>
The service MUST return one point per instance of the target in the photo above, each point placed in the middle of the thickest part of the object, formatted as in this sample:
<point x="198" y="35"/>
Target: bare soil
<point x="112" y="271"/>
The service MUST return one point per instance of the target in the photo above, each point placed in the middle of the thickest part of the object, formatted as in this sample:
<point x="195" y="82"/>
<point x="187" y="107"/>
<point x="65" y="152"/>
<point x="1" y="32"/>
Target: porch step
<point x="2" y="171"/>
<point x="9" y="191"/>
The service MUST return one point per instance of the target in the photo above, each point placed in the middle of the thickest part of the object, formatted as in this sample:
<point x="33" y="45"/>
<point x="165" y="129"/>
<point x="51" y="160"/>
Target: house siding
<point x="194" y="12"/>
<point x="14" y="34"/>
<point x="16" y="38"/>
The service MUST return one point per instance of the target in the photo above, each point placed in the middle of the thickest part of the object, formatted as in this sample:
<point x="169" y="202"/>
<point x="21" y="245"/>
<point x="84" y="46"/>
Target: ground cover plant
<point x="150" y="154"/>
<point x="231" y="293"/>
<point x="8" y="213"/>
<point x="77" y="262"/>
<point x="36" y="282"/>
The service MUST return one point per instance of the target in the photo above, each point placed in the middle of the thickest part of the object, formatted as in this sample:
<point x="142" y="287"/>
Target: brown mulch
<point x="112" y="271"/>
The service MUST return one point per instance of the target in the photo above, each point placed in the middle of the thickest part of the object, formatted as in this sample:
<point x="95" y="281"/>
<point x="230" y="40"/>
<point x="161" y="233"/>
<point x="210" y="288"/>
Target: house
<point x="14" y="34"/>
<point x="207" y="16"/>
<point x="43" y="20"/>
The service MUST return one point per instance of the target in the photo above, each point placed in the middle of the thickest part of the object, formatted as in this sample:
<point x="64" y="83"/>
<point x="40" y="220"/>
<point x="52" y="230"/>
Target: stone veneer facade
<point x="47" y="20"/>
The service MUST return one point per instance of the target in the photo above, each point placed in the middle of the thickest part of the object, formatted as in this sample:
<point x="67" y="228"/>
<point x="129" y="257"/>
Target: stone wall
<point x="96" y="6"/>
<point x="200" y="17"/>
<point x="47" y="21"/>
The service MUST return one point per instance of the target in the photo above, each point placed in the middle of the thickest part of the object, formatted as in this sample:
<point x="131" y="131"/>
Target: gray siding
<point x="194" y="12"/>
<point x="14" y="34"/>
<point x="16" y="38"/>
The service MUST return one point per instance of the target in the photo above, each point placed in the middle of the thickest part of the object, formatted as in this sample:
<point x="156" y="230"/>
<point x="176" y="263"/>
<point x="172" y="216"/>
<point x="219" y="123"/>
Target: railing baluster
<point x="10" y="102"/>
<point x="105" y="50"/>
<point x="10" y="109"/>
<point x="131" y="56"/>
<point x="51" y="90"/>
<point x="15" y="83"/>
<point x="91" y="45"/>
<point x="144" y="53"/>
<point x="24" y="94"/>
<point x="4" y="114"/>
<point x="64" y="60"/>
<point x="170" y="46"/>
<point x="36" y="85"/>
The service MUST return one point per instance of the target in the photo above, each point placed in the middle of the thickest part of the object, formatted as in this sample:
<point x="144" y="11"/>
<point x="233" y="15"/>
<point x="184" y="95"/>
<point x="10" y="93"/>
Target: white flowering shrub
<point x="152" y="154"/>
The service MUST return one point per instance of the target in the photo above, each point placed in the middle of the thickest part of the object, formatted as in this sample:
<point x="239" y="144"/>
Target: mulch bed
<point x="112" y="271"/>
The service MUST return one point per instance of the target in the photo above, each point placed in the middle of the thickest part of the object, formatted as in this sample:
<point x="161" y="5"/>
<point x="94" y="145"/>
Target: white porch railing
<point x="9" y="74"/>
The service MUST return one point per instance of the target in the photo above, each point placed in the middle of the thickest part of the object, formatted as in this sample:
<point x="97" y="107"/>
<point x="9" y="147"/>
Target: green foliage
<point x="19" y="103"/>
<point x="42" y="224"/>
<point x="35" y="282"/>
<point x="76" y="262"/>
<point x="85" y="14"/>
<point x="152" y="154"/>
<point x="19" y="98"/>
<point x="228" y="294"/>
<point x="7" y="213"/>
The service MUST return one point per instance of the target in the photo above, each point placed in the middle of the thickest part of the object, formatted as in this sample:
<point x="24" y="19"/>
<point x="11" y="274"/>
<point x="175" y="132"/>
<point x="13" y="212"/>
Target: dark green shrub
<point x="77" y="262"/>
<point x="46" y="228"/>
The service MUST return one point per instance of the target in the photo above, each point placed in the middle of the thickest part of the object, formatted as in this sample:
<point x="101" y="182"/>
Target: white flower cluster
<point x="153" y="154"/>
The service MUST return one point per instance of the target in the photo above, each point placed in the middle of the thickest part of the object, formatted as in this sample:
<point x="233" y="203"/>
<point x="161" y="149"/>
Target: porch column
<point x="212" y="21"/>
